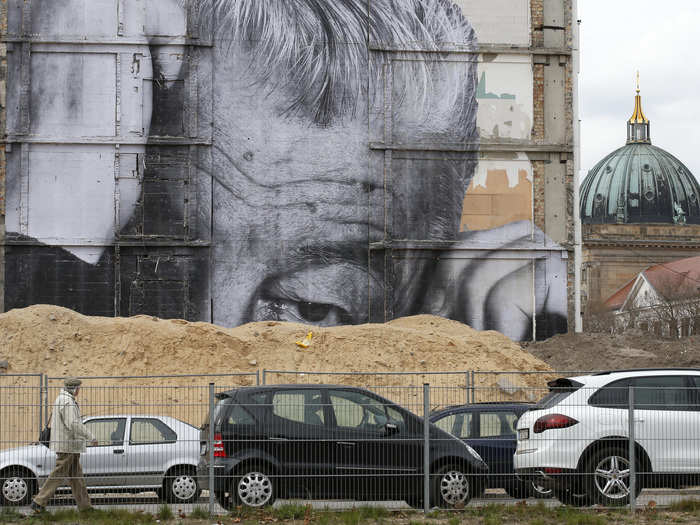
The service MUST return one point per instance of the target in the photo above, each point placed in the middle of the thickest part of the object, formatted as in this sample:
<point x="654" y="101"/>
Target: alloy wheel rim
<point x="255" y="489"/>
<point x="612" y="477"/>
<point x="14" y="489"/>
<point x="454" y="487"/>
<point x="184" y="487"/>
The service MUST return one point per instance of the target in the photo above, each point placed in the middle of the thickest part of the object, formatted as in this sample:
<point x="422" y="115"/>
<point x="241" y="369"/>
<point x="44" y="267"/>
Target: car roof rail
<point x="656" y="369"/>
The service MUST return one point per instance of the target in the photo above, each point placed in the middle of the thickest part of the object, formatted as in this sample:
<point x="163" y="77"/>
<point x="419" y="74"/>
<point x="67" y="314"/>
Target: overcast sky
<point x="662" y="41"/>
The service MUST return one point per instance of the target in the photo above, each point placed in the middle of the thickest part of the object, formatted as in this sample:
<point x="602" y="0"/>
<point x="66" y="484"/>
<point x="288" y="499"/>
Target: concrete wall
<point x="158" y="166"/>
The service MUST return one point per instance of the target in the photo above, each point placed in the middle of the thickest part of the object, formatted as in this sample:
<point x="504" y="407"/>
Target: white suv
<point x="576" y="439"/>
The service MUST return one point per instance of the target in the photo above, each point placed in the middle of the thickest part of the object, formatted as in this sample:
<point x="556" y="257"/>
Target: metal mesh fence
<point x="21" y="416"/>
<point x="315" y="439"/>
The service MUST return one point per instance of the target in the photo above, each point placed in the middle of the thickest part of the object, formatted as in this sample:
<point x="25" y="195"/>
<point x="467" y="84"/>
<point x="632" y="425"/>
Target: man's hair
<point x="318" y="51"/>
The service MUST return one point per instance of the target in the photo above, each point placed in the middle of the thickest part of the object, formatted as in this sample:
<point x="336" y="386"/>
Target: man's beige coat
<point x="68" y="434"/>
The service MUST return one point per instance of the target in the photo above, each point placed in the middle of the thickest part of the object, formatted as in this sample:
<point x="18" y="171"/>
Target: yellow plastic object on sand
<point x="304" y="343"/>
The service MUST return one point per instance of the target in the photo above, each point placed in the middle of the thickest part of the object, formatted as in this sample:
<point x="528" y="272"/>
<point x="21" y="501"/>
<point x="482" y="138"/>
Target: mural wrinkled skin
<point x="311" y="165"/>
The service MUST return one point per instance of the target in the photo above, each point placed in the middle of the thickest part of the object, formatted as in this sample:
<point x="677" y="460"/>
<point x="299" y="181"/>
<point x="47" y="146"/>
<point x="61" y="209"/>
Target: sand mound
<point x="59" y="342"/>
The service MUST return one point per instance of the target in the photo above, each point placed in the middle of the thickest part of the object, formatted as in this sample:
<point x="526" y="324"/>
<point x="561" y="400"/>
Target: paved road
<point x="148" y="502"/>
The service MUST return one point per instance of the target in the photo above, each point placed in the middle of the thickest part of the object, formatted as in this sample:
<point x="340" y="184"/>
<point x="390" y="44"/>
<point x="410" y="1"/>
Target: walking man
<point x="68" y="437"/>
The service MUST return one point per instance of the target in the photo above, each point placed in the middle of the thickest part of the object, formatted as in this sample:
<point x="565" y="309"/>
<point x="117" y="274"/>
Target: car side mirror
<point x="390" y="429"/>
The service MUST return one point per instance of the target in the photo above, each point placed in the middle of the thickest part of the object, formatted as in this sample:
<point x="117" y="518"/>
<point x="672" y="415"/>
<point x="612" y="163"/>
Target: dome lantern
<point x="638" y="125"/>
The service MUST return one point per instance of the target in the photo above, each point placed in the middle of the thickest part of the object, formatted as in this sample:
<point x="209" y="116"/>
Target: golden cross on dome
<point x="637" y="81"/>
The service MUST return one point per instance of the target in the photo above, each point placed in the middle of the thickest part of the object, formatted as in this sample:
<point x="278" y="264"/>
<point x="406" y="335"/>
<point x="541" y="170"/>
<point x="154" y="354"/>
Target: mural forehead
<point x="284" y="162"/>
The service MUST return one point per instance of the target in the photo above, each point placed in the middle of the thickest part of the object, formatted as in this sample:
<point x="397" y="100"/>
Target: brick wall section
<point x="537" y="40"/>
<point x="537" y="21"/>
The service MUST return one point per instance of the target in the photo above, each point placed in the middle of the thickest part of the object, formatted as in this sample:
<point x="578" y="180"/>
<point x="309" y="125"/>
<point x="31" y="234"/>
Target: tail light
<point x="553" y="421"/>
<point x="219" y="451"/>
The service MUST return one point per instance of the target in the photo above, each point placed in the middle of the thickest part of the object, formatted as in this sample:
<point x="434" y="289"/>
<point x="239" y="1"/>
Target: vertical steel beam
<point x="631" y="451"/>
<point x="426" y="447"/>
<point x="210" y="448"/>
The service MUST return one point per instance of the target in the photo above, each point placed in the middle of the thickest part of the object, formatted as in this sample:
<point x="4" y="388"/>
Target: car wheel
<point x="17" y="486"/>
<point x="254" y="487"/>
<point x="181" y="486"/>
<point x="540" y="491"/>
<point x="451" y="487"/>
<point x="609" y="482"/>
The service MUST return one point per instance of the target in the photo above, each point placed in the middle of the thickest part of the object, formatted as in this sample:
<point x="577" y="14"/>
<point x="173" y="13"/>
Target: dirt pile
<point x="601" y="351"/>
<point x="57" y="341"/>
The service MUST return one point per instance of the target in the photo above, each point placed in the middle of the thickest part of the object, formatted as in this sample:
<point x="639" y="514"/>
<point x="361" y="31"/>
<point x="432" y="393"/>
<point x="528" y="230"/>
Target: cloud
<point x="619" y="38"/>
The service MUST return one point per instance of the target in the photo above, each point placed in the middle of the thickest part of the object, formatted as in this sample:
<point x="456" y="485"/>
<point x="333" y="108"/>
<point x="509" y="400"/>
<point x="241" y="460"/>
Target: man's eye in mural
<point x="318" y="294"/>
<point x="300" y="311"/>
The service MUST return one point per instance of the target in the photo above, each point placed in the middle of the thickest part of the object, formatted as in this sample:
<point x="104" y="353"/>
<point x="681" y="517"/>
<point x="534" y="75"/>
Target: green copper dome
<point x="640" y="183"/>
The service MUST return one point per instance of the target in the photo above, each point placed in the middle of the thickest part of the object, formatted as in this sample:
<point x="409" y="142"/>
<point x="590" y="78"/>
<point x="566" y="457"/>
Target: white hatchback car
<point x="134" y="453"/>
<point x="576" y="439"/>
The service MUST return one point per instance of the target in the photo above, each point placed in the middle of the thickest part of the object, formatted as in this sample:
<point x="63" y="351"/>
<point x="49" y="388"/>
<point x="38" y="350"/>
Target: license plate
<point x="523" y="434"/>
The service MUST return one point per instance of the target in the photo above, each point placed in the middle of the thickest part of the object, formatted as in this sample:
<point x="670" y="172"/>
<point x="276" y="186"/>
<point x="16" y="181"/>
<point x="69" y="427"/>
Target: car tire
<point x="180" y="485"/>
<point x="540" y="492"/>
<point x="17" y="486"/>
<point x="608" y="483"/>
<point x="451" y="487"/>
<point x="253" y="487"/>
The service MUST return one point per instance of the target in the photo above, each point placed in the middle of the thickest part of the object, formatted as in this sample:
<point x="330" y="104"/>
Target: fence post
<point x="264" y="376"/>
<point x="210" y="449"/>
<point x="466" y="384"/>
<point x="426" y="448"/>
<point x="46" y="398"/>
<point x="472" y="384"/>
<point x="257" y="377"/>
<point x="41" y="402"/>
<point x="631" y="452"/>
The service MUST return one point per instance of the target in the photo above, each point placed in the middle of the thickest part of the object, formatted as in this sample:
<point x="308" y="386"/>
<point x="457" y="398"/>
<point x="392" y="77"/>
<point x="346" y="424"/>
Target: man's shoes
<point x="36" y="508"/>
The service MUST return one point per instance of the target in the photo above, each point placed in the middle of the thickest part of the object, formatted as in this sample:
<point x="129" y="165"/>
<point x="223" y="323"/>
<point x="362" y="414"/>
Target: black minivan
<point x="327" y="441"/>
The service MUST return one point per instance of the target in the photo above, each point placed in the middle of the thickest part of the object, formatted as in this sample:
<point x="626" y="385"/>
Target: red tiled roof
<point x="677" y="279"/>
<point x="616" y="300"/>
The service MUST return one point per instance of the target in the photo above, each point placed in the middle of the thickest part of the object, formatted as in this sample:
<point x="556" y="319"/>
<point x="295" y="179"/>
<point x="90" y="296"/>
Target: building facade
<point x="335" y="162"/>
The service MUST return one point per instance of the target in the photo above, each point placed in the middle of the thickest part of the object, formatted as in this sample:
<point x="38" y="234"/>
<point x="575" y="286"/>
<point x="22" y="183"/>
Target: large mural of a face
<point x="310" y="161"/>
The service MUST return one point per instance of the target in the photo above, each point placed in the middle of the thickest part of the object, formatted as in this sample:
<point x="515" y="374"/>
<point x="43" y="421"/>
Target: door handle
<point x="118" y="451"/>
<point x="347" y="443"/>
<point x="277" y="438"/>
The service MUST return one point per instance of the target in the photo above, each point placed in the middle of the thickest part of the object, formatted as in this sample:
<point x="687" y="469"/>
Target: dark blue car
<point x="490" y="428"/>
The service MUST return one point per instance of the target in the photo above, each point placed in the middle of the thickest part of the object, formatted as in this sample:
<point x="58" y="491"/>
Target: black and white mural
<point x="231" y="161"/>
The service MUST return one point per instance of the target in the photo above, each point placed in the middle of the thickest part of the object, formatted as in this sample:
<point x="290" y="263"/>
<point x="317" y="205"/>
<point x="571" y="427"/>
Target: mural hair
<point x="318" y="51"/>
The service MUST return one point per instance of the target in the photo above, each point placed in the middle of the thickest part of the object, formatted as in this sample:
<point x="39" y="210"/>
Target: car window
<point x="447" y="423"/>
<point x="661" y="393"/>
<point x="395" y="416"/>
<point x="359" y="411"/>
<point x="107" y="432"/>
<point x="497" y="424"/>
<point x="148" y="430"/>
<point x="612" y="395"/>
<point x="459" y="424"/>
<point x="301" y="406"/>
<point x="695" y="393"/>
<point x="238" y="415"/>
